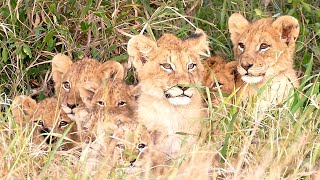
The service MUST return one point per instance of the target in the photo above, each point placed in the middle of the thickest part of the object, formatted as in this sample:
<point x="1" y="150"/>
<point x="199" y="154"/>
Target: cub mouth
<point x="181" y="99"/>
<point x="181" y="95"/>
<point x="252" y="79"/>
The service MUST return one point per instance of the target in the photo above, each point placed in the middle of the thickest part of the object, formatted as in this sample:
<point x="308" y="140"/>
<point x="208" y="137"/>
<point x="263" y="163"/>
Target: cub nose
<point x="72" y="106"/>
<point x="246" y="66"/>
<point x="45" y="130"/>
<point x="183" y="88"/>
<point x="51" y="140"/>
<point x="131" y="162"/>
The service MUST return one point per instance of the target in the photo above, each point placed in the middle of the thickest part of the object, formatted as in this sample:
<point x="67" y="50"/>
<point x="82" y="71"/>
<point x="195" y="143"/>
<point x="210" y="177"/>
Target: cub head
<point x="220" y="73"/>
<point x="264" y="47"/>
<point x="47" y="117"/>
<point x="168" y="66"/>
<point x="112" y="102"/>
<point x="68" y="76"/>
<point x="134" y="151"/>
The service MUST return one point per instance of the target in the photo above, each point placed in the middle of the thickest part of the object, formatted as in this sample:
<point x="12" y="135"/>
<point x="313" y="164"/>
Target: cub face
<point x="68" y="76"/>
<point x="47" y="117"/>
<point x="134" y="150"/>
<point x="113" y="103"/>
<point x="225" y="73"/>
<point x="263" y="48"/>
<point x="166" y="67"/>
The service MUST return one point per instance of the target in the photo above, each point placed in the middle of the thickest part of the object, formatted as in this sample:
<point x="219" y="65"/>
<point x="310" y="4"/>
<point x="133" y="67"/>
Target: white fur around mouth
<point x="252" y="79"/>
<point x="180" y="100"/>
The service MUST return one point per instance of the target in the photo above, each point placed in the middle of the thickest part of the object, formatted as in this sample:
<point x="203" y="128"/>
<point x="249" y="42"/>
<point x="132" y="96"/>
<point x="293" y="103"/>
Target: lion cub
<point x="134" y="150"/>
<point x="113" y="99"/>
<point x="220" y="73"/>
<point x="47" y="117"/>
<point x="68" y="76"/>
<point x="264" y="50"/>
<point x="168" y="70"/>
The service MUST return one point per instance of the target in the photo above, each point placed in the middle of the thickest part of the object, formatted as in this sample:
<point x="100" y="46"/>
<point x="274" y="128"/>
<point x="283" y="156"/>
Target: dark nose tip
<point x="45" y="130"/>
<point x="51" y="140"/>
<point x="72" y="106"/>
<point x="246" y="66"/>
<point x="131" y="162"/>
<point x="183" y="88"/>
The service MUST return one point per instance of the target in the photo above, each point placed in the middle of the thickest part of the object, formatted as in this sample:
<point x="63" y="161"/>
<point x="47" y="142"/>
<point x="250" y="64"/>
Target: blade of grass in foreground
<point x="226" y="140"/>
<point x="54" y="150"/>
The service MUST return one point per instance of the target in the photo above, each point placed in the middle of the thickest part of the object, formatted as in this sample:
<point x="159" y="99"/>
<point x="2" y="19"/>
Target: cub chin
<point x="47" y="118"/>
<point x="169" y="70"/>
<point x="264" y="50"/>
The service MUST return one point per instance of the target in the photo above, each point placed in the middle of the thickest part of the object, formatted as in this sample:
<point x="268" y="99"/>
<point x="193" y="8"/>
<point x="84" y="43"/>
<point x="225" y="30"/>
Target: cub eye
<point x="39" y="123"/>
<point x="121" y="103"/>
<point x="167" y="67"/>
<point x="63" y="124"/>
<point x="214" y="85"/>
<point x="191" y="66"/>
<point x="264" y="47"/>
<point x="241" y="46"/>
<point x="100" y="103"/>
<point x="66" y="85"/>
<point x="121" y="146"/>
<point x="141" y="146"/>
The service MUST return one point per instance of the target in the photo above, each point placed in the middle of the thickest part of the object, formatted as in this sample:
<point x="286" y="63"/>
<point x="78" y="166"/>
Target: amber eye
<point x="39" y="123"/>
<point x="121" y="103"/>
<point x="63" y="124"/>
<point x="264" y="47"/>
<point x="100" y="103"/>
<point x="167" y="67"/>
<point x="66" y="85"/>
<point x="241" y="46"/>
<point x="141" y="146"/>
<point x="121" y="146"/>
<point x="191" y="66"/>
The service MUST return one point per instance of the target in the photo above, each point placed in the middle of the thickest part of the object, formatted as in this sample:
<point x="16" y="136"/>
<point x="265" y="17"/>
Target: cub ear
<point x="237" y="24"/>
<point x="288" y="27"/>
<point x="198" y="42"/>
<point x="87" y="91"/>
<point x="139" y="48"/>
<point x="111" y="70"/>
<point x="232" y="67"/>
<point x="135" y="91"/>
<point x="23" y="107"/>
<point x="60" y="65"/>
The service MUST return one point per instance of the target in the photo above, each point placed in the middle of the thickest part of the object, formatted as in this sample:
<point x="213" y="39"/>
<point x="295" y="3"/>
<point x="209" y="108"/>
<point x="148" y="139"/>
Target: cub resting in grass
<point x="220" y="73"/>
<point x="166" y="68"/>
<point x="48" y="117"/>
<point x="112" y="99"/>
<point x="68" y="76"/>
<point x="264" y="50"/>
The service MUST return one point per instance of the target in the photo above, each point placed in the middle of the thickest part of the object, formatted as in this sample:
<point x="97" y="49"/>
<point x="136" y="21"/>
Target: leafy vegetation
<point x="280" y="143"/>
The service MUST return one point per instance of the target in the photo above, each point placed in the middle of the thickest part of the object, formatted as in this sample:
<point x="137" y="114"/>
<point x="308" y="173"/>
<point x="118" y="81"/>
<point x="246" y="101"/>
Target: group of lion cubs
<point x="122" y="124"/>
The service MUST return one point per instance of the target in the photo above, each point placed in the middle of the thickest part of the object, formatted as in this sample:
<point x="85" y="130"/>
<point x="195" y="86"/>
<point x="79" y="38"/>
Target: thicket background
<point x="31" y="32"/>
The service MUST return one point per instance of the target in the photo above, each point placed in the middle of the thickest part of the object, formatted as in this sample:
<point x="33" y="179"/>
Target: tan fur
<point x="65" y="71"/>
<point x="217" y="70"/>
<point x="275" y="61"/>
<point x="112" y="103"/>
<point x="134" y="149"/>
<point x="160" y="105"/>
<point x="27" y="111"/>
